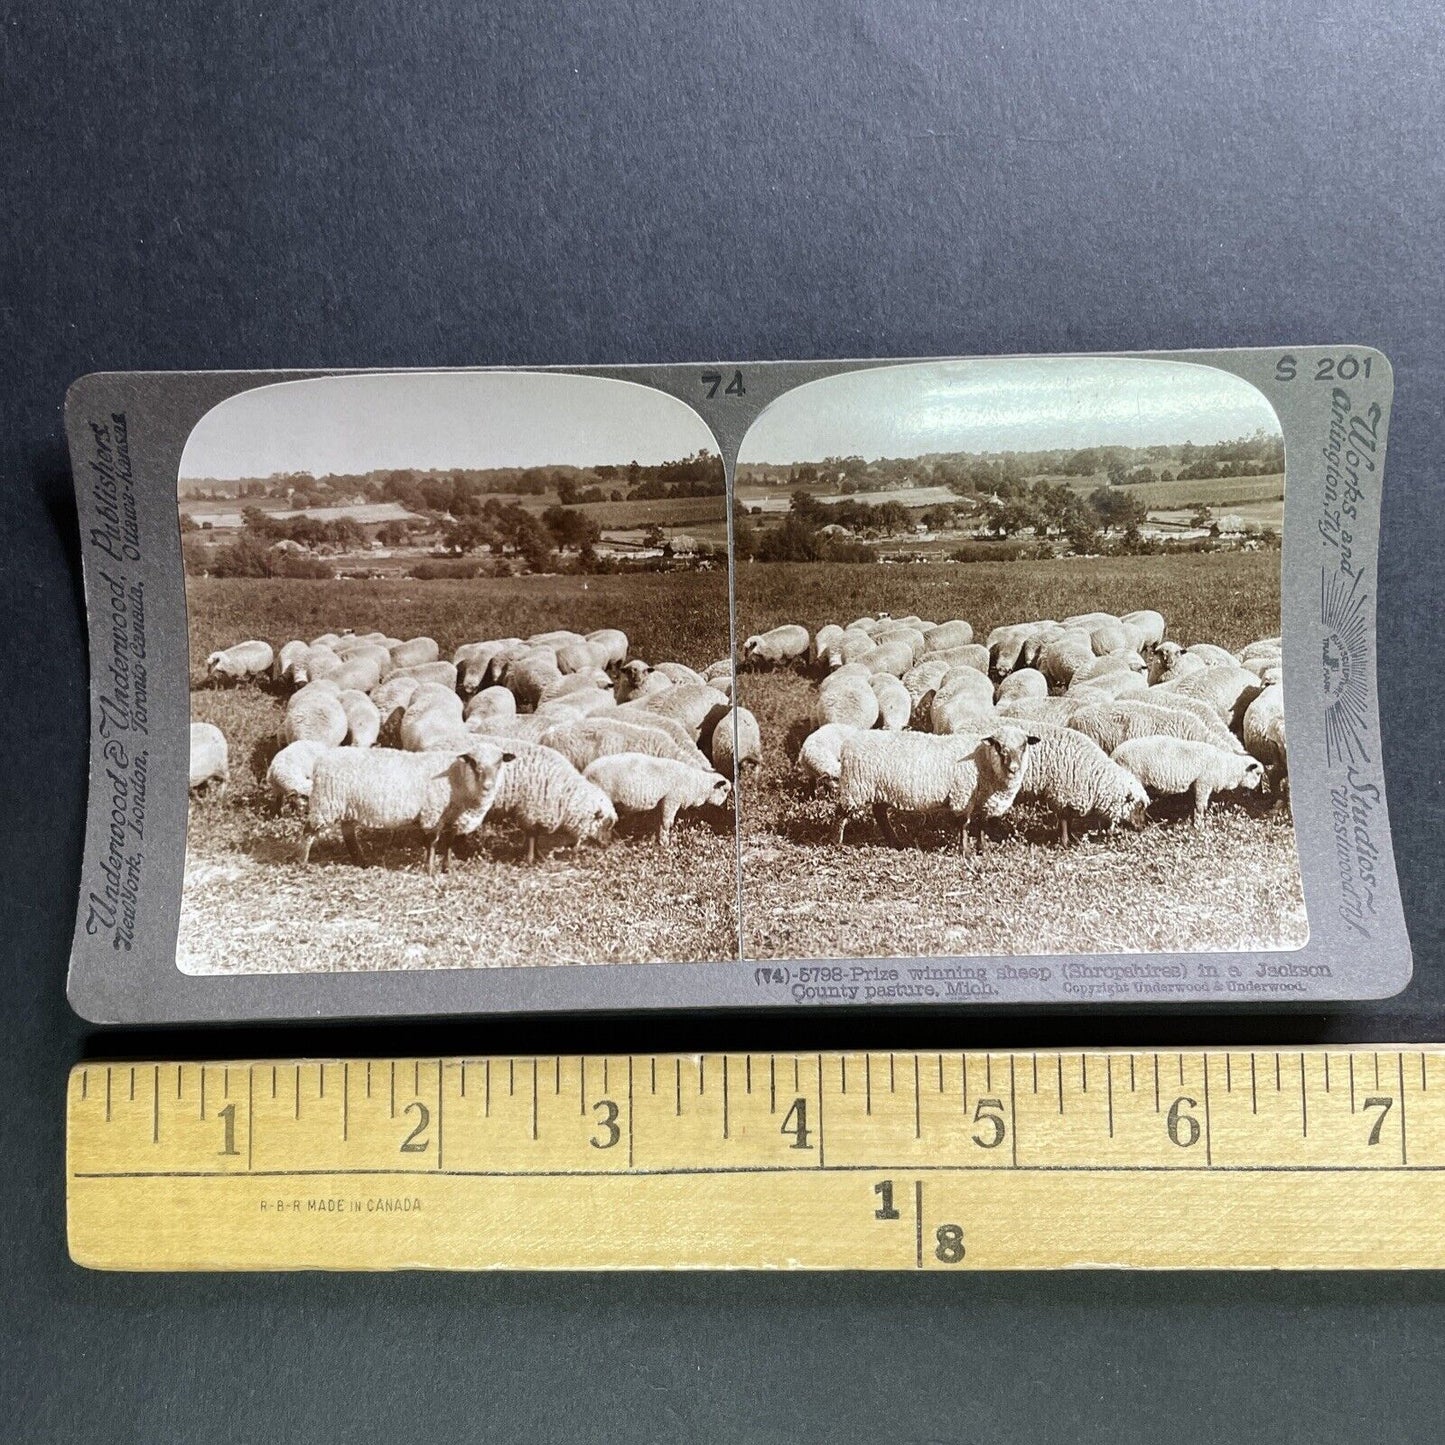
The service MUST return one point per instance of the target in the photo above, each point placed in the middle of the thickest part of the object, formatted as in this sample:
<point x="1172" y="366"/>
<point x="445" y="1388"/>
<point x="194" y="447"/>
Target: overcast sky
<point x="1005" y="405"/>
<point x="353" y="424"/>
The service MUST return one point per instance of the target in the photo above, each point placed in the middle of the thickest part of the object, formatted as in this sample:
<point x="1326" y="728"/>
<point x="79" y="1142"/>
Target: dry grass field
<point x="249" y="907"/>
<point x="1234" y="886"/>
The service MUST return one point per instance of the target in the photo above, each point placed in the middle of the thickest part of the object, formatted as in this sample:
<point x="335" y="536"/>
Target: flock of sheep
<point x="560" y="734"/>
<point x="1094" y="716"/>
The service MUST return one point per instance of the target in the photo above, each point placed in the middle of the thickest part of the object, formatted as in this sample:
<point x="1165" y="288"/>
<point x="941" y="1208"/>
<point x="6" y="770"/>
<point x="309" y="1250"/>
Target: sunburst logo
<point x="1344" y="652"/>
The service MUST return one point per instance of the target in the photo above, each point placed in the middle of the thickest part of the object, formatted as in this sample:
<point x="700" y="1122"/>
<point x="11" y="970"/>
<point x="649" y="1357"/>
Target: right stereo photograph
<point x="1010" y="632"/>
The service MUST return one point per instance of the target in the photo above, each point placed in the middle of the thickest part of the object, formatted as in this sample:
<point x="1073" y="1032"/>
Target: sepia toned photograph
<point x="460" y="677"/>
<point x="1010" y="645"/>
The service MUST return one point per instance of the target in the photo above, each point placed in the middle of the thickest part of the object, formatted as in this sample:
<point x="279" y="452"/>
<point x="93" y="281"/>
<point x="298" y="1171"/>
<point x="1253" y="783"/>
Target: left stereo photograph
<point x="380" y="571"/>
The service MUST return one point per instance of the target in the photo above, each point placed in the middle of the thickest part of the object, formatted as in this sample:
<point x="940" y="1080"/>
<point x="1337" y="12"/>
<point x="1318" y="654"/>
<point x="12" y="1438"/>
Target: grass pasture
<point x="1233" y="886"/>
<point x="248" y="907"/>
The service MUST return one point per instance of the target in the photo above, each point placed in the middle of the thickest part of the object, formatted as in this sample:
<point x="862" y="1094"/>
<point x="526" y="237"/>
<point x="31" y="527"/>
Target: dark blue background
<point x="238" y="185"/>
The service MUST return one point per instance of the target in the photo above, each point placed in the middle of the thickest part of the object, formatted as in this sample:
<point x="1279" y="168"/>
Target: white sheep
<point x="719" y="672"/>
<point x="1210" y="655"/>
<point x="363" y="719"/>
<point x="357" y="673"/>
<point x="972" y="654"/>
<point x="895" y="707"/>
<point x="578" y="681"/>
<point x="288" y="779"/>
<point x="318" y="662"/>
<point x="898" y="632"/>
<point x="1023" y="682"/>
<point x="443" y="674"/>
<point x="415" y="653"/>
<point x="291" y="654"/>
<point x="736" y="743"/>
<point x="1005" y="644"/>
<point x="245" y="662"/>
<point x="527" y="676"/>
<point x="1079" y="781"/>
<point x="1061" y="657"/>
<point x="1228" y="690"/>
<point x="1110" y="724"/>
<point x="778" y="647"/>
<point x="855" y="646"/>
<point x="578" y="704"/>
<point x="894" y="656"/>
<point x="947" y="635"/>
<point x="490" y="702"/>
<point x="821" y="756"/>
<point x="826" y="641"/>
<point x="527" y="728"/>
<point x="473" y="661"/>
<point x="315" y="713"/>
<point x="1110" y="662"/>
<point x="1110" y="687"/>
<point x="580" y="656"/>
<point x="1169" y="662"/>
<point x="613" y="643"/>
<point x="845" y="699"/>
<point x="1169" y="765"/>
<point x="695" y="706"/>
<point x="963" y="703"/>
<point x="584" y="740"/>
<point x="1264" y="736"/>
<point x="445" y="794"/>
<point x="1150" y="625"/>
<point x="428" y="718"/>
<point x="1055" y="710"/>
<point x="210" y="758"/>
<point x="554" y="639"/>
<point x="1111" y="636"/>
<point x="637" y="784"/>
<point x="916" y="773"/>
<point x="350" y="647"/>
<point x="678" y="672"/>
<point x="1270" y="646"/>
<point x="392" y="698"/>
<point x="542" y="793"/>
<point x="1262" y="664"/>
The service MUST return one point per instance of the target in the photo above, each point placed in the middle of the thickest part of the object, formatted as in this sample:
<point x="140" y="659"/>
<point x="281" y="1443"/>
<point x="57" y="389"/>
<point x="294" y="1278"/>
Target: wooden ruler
<point x="1322" y="1158"/>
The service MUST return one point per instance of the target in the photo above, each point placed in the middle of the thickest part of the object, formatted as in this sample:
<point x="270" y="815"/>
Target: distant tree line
<point x="980" y="474"/>
<point x="460" y="491"/>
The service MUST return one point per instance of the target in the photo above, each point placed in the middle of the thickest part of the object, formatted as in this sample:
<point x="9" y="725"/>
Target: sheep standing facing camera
<point x="968" y="776"/>
<point x="637" y="784"/>
<point x="445" y="794"/>
<point x="1168" y="766"/>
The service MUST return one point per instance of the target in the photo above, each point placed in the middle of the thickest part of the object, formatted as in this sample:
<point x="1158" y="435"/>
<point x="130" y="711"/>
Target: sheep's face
<point x="1253" y="777"/>
<point x="1009" y="748"/>
<point x="1164" y="661"/>
<point x="721" y="791"/>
